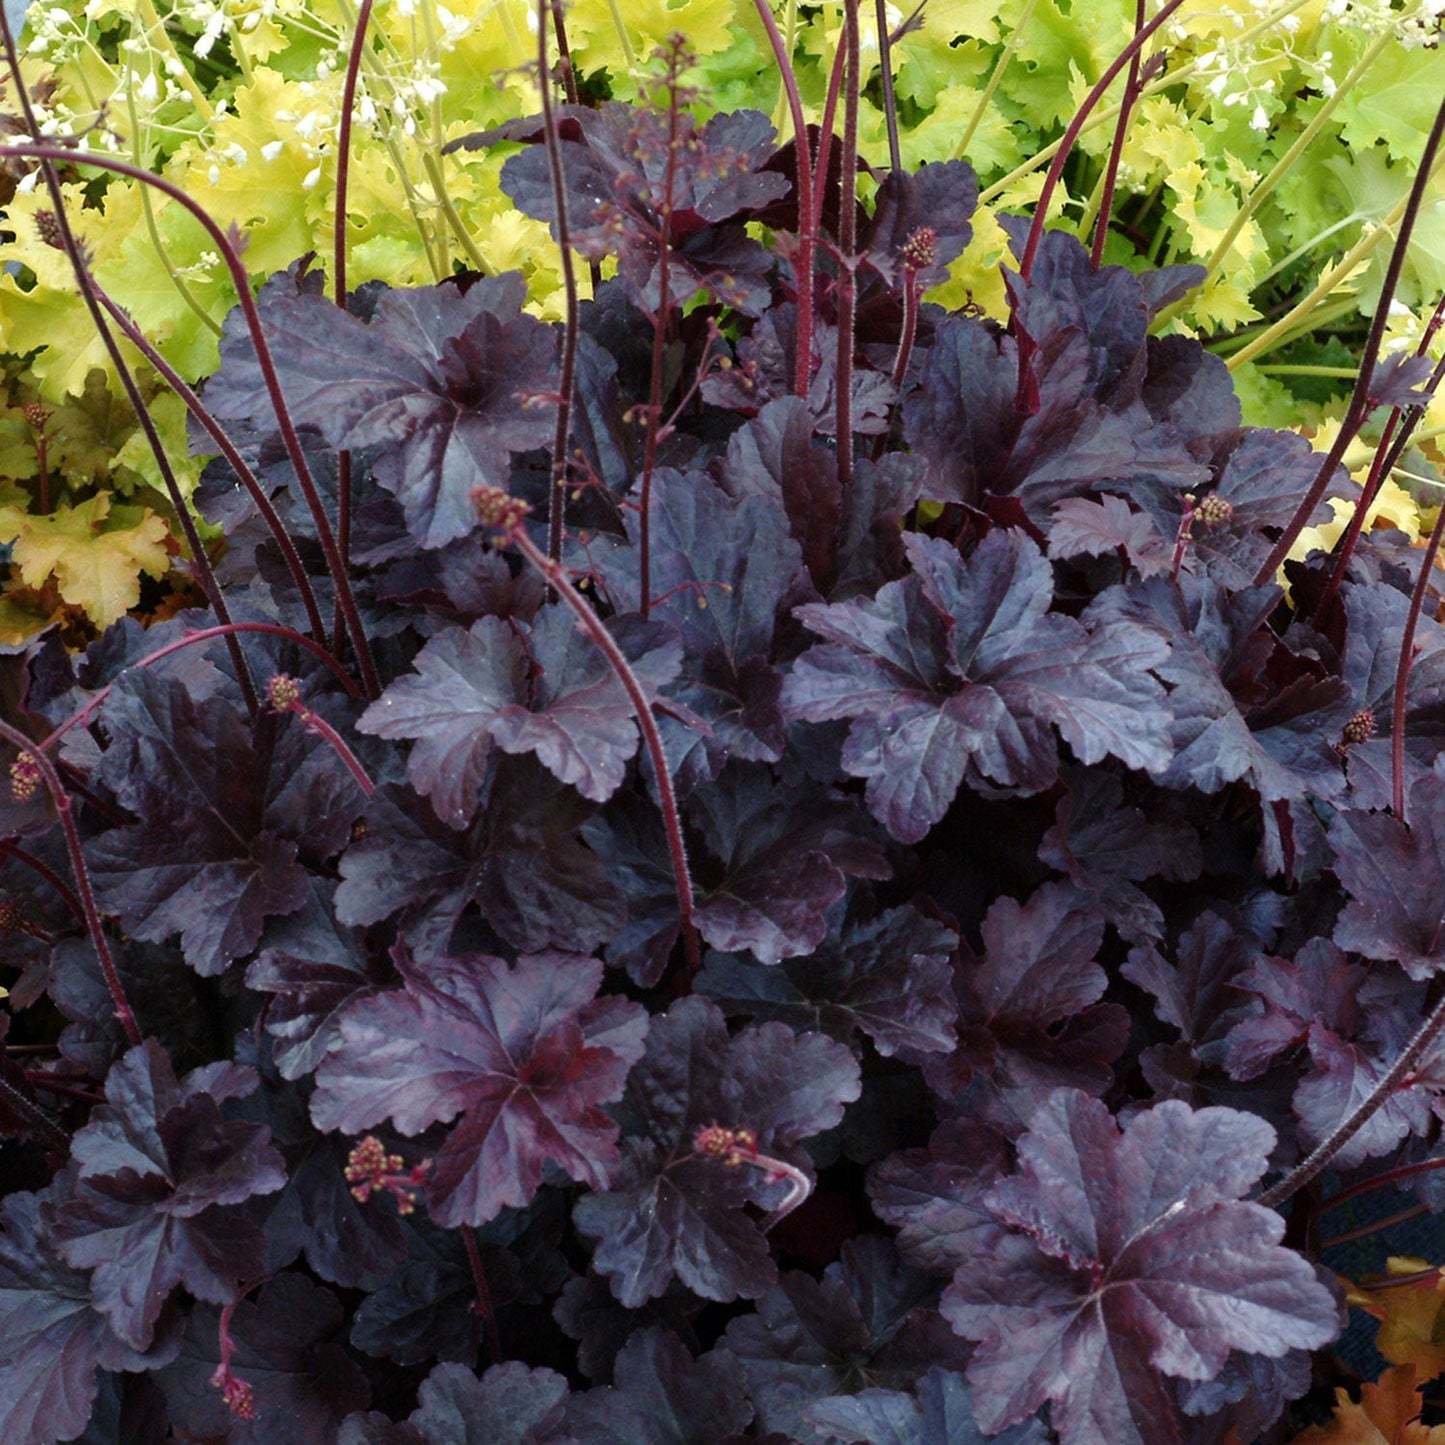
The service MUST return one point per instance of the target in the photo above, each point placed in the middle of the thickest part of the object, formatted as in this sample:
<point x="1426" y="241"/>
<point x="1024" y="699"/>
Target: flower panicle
<point x="371" y="1170"/>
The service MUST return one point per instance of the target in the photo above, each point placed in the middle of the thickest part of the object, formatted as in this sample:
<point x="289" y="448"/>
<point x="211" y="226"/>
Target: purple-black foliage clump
<point x="1042" y="898"/>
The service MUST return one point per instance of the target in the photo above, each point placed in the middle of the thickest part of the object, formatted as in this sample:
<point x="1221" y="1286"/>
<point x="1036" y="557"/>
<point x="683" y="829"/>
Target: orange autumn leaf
<point x="1387" y="1414"/>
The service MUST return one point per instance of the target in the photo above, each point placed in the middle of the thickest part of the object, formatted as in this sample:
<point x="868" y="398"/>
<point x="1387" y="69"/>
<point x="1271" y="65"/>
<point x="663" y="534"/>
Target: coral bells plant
<point x="755" y="859"/>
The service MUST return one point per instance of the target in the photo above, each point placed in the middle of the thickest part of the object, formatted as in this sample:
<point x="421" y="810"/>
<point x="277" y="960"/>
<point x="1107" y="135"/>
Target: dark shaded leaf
<point x="519" y="862"/>
<point x="786" y="856"/>
<point x="672" y="1213"/>
<point x="510" y="1405"/>
<point x="869" y="1318"/>
<point x="889" y="976"/>
<point x="52" y="1340"/>
<point x="1029" y="1018"/>
<point x="663" y="1396"/>
<point x="312" y="966"/>
<point x="229" y="820"/>
<point x="152" y="1176"/>
<point x="1107" y="848"/>
<point x="934" y="1197"/>
<point x="940" y="1412"/>
<point x="721" y="572"/>
<point x="286" y="1348"/>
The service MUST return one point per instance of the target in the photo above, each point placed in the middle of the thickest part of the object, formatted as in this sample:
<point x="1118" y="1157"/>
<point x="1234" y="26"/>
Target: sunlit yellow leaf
<point x="97" y="570"/>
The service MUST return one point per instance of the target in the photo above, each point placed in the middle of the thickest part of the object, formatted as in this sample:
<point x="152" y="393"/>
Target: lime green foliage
<point x="1275" y="146"/>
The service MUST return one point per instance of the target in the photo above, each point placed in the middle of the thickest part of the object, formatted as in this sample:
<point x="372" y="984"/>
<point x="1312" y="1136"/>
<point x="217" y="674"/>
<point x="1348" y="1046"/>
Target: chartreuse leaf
<point x="96" y="558"/>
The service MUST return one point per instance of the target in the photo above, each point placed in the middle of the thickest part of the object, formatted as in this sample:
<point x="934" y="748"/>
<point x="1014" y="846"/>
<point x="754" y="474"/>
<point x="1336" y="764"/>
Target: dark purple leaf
<point x="1085" y="528"/>
<point x="672" y="1213"/>
<point x="940" y="1412"/>
<point x="590" y="1313"/>
<point x="1197" y="993"/>
<point x="229" y="819"/>
<point x="549" y="691"/>
<point x="934" y="1197"/>
<point x="519" y="862"/>
<point x="1134" y="1259"/>
<point x="459" y="683"/>
<point x="1107" y="847"/>
<point x="160" y="988"/>
<point x="153" y="1174"/>
<point x="370" y="1427"/>
<point x="1320" y="984"/>
<point x="1245" y="707"/>
<point x="662" y="1396"/>
<point x="889" y="976"/>
<point x="1395" y="876"/>
<point x="629" y="834"/>
<point x="960" y="674"/>
<point x="511" y="1404"/>
<point x="938" y="200"/>
<point x="775" y="455"/>
<point x="786" y="854"/>
<point x="617" y="174"/>
<point x="425" y="1308"/>
<point x="287" y="1349"/>
<point x="439" y="380"/>
<point x="1354" y="1025"/>
<point x="525" y="1055"/>
<point x="1247" y="1395"/>
<point x="869" y="1317"/>
<point x="312" y="966"/>
<point x="1029" y="1019"/>
<point x="1085" y="322"/>
<point x="962" y="420"/>
<point x="1401" y="380"/>
<point x="721" y="572"/>
<point x="1264" y="481"/>
<point x="52" y="1340"/>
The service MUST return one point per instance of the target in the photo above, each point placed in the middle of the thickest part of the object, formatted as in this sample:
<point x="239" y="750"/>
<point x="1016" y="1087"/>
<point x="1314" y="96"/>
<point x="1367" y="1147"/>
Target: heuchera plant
<point x="765" y="862"/>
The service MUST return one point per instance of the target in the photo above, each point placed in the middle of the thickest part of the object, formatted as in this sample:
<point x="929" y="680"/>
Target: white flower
<point x="272" y="149"/>
<point x="308" y="182"/>
<point x="1259" y="120"/>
